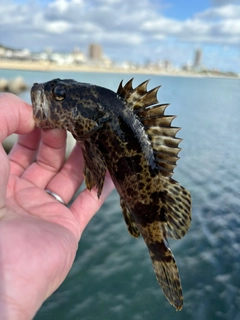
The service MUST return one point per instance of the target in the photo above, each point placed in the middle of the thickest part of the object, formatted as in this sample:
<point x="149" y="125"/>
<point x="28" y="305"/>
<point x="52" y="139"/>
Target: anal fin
<point x="129" y="219"/>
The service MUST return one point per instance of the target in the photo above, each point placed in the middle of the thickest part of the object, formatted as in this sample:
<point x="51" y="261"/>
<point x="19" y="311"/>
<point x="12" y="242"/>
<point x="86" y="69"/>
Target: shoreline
<point x="50" y="66"/>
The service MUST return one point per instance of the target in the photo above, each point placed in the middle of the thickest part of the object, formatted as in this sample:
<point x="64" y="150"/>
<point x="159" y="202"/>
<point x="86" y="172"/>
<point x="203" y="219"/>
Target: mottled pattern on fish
<point x="127" y="133"/>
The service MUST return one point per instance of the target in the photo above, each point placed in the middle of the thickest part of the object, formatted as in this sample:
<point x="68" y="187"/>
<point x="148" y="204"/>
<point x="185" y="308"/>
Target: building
<point x="78" y="56"/>
<point x="197" y="63"/>
<point x="95" y="52"/>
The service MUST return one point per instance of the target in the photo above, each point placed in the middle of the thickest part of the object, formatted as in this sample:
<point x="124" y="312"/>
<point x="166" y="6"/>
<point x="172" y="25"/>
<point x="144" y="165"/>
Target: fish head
<point x="47" y="99"/>
<point x="67" y="104"/>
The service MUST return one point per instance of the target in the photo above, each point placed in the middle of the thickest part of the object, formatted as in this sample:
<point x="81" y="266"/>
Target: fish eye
<point x="59" y="93"/>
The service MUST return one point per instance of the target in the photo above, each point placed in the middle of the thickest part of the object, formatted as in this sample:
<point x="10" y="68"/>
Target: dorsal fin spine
<point x="120" y="88"/>
<point x="157" y="125"/>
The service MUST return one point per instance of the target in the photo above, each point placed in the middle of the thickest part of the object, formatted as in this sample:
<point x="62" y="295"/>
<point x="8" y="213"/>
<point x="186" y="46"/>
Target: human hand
<point x="38" y="235"/>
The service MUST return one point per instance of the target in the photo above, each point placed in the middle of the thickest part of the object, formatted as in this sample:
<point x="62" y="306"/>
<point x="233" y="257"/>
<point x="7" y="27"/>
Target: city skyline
<point x="129" y="31"/>
<point x="95" y="58"/>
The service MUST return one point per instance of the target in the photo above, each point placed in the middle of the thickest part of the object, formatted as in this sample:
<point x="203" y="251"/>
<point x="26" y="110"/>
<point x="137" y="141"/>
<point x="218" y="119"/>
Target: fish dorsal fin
<point x="130" y="95"/>
<point x="158" y="126"/>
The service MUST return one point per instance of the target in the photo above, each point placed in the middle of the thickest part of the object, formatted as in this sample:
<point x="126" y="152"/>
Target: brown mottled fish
<point x="128" y="134"/>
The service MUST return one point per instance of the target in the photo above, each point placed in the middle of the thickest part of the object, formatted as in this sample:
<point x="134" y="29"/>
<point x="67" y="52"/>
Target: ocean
<point x="112" y="276"/>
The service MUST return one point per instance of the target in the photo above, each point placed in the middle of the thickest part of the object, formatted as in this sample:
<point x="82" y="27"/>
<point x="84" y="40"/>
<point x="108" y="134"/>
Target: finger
<point x="4" y="174"/>
<point x="16" y="116"/>
<point x="50" y="158"/>
<point x="70" y="177"/>
<point x="24" y="152"/>
<point x="87" y="203"/>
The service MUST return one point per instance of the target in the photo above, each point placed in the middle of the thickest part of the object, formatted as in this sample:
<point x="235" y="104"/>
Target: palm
<point x="44" y="248"/>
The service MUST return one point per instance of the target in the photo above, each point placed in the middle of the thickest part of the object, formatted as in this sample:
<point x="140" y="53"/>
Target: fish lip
<point x="41" y="109"/>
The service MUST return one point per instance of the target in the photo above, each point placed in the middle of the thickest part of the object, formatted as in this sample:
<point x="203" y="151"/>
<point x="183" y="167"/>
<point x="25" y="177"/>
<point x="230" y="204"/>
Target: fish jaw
<point x="45" y="113"/>
<point x="41" y="107"/>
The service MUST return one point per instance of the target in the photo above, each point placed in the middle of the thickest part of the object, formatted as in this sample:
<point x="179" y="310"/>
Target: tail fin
<point x="166" y="271"/>
<point x="163" y="262"/>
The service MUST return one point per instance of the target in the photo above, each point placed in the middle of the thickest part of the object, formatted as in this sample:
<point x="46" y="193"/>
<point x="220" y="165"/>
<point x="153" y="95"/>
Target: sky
<point x="128" y="30"/>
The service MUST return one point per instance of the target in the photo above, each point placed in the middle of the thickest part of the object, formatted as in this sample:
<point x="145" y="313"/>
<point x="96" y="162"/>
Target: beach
<point x="45" y="66"/>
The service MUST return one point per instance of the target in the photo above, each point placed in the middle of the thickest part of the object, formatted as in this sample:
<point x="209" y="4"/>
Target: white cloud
<point x="214" y="25"/>
<point x="59" y="6"/>
<point x="162" y="25"/>
<point x="228" y="11"/>
<point x="124" y="28"/>
<point x="58" y="27"/>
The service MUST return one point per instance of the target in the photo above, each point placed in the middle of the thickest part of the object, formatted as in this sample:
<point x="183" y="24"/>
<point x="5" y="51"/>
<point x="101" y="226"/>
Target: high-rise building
<point x="95" y="51"/>
<point x="197" y="59"/>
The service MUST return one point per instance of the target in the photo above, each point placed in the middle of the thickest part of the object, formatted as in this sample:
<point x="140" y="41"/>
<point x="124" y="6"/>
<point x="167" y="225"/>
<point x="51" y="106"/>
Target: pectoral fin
<point x="89" y="178"/>
<point x="95" y="167"/>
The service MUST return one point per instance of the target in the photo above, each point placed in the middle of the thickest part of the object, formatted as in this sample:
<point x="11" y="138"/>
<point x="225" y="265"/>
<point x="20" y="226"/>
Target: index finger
<point x="16" y="116"/>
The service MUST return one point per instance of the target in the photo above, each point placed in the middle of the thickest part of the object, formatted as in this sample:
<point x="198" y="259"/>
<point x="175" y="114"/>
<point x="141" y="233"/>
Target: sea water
<point x="112" y="276"/>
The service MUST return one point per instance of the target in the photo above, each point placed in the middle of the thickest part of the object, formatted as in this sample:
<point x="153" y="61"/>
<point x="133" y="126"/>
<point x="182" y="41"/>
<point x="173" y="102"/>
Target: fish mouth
<point x="41" y="107"/>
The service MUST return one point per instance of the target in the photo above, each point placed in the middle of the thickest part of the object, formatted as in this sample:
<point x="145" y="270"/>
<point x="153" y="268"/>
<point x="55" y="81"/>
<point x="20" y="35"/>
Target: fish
<point x="127" y="133"/>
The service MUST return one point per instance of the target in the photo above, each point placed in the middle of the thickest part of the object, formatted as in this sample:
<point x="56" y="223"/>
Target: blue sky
<point x="182" y="9"/>
<point x="146" y="30"/>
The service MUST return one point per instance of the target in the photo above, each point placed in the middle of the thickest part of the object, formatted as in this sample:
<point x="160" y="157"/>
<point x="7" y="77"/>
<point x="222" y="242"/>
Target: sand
<point x="51" y="66"/>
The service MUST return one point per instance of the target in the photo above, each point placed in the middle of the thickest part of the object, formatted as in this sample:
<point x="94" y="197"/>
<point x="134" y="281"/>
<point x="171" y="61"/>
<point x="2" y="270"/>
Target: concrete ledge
<point x="15" y="85"/>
